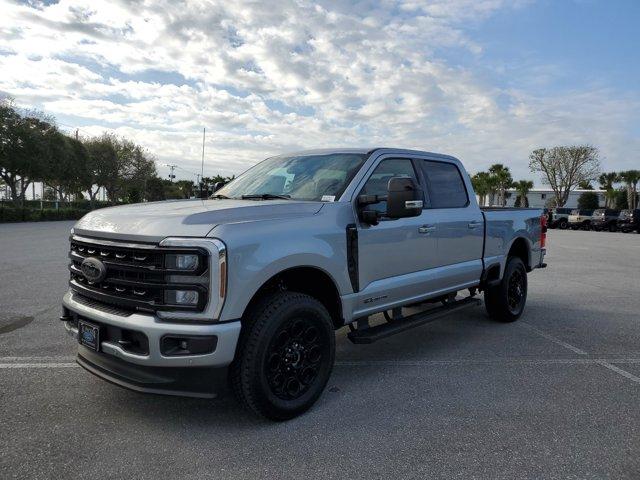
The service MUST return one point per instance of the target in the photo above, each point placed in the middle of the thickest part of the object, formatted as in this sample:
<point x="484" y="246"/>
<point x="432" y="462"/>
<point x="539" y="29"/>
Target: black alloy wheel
<point x="294" y="357"/>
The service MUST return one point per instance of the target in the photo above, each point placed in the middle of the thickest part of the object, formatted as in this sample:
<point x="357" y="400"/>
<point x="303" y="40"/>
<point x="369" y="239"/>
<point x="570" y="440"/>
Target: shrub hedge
<point x="20" y="214"/>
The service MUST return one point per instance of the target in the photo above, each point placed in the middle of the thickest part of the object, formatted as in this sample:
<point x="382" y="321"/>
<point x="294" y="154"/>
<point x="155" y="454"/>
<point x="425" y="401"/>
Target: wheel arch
<point x="521" y="248"/>
<point x="307" y="279"/>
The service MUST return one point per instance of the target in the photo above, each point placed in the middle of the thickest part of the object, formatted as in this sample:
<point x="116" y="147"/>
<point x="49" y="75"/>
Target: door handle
<point x="474" y="224"/>
<point x="426" y="229"/>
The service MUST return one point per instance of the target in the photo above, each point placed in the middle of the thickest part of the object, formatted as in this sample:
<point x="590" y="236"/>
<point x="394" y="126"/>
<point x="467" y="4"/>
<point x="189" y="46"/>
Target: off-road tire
<point x="497" y="300"/>
<point x="263" y="327"/>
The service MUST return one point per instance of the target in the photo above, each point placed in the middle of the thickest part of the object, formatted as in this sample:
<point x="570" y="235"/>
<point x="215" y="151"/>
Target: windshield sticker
<point x="328" y="198"/>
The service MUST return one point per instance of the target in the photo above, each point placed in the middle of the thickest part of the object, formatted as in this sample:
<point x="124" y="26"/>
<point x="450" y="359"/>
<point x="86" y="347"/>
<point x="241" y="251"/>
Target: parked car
<point x="629" y="220"/>
<point x="560" y="218"/>
<point x="580" y="219"/>
<point x="247" y="288"/>
<point x="605" y="219"/>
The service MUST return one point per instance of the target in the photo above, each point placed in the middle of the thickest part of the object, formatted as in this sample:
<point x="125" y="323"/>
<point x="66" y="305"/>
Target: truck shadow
<point x="469" y="335"/>
<point x="424" y="342"/>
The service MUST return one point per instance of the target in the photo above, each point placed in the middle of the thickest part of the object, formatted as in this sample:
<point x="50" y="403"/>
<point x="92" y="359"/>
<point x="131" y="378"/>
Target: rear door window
<point x="445" y="186"/>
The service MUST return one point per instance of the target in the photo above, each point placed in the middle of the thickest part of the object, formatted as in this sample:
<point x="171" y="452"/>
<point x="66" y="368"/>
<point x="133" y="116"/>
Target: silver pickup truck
<point x="247" y="288"/>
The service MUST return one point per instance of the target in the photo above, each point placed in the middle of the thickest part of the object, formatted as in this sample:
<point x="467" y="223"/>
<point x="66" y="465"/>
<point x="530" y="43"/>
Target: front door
<point x="394" y="255"/>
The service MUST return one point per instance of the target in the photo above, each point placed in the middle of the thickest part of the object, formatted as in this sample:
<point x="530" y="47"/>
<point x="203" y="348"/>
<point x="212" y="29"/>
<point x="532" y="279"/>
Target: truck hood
<point x="151" y="222"/>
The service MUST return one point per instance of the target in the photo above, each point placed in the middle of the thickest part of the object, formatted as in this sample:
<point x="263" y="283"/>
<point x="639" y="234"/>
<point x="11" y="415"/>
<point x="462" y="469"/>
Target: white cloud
<point x="265" y="77"/>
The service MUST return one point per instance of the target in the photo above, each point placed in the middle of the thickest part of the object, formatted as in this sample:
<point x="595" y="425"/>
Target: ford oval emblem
<point x="93" y="270"/>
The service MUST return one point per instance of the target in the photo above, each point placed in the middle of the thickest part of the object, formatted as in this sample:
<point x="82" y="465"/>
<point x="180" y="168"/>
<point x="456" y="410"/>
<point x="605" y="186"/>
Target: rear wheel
<point x="285" y="355"/>
<point x="563" y="224"/>
<point x="505" y="302"/>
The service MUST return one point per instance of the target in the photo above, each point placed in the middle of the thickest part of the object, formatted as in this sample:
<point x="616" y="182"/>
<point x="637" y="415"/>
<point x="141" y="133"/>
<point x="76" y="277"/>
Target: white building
<point x="538" y="197"/>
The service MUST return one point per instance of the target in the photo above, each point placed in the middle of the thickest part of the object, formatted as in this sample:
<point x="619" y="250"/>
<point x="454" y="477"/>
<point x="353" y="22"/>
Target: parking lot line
<point x="620" y="371"/>
<point x="553" y="339"/>
<point x="604" y="363"/>
<point x="38" y="365"/>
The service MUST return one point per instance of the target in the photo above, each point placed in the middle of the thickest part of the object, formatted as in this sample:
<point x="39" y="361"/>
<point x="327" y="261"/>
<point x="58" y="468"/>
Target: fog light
<point x="191" y="345"/>
<point x="181" y="297"/>
<point x="182" y="261"/>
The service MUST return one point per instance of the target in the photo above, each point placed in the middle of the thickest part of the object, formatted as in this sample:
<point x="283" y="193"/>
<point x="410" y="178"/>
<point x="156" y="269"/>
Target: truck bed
<point x="504" y="225"/>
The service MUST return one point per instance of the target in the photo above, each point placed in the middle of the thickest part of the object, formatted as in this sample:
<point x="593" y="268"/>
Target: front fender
<point x="257" y="251"/>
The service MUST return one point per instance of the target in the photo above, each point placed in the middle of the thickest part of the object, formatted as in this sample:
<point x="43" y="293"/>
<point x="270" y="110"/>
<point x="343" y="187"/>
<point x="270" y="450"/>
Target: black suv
<point x="629" y="220"/>
<point x="559" y="218"/>
<point x="605" y="219"/>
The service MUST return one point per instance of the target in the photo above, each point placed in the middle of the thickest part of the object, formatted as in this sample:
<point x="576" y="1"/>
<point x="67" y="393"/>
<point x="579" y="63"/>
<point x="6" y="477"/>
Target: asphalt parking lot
<point x="555" y="395"/>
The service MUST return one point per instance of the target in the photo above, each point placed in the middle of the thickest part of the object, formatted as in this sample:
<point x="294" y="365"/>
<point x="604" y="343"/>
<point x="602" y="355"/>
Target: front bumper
<point x="627" y="225"/>
<point x="193" y="375"/>
<point x="601" y="224"/>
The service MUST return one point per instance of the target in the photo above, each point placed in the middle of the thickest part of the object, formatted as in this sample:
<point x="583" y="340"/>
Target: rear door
<point x="459" y="221"/>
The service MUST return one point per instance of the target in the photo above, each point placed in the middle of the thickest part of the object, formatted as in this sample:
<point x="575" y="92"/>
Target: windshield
<point x="304" y="177"/>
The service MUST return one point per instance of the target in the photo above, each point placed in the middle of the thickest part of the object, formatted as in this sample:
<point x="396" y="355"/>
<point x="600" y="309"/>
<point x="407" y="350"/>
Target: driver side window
<point x="379" y="179"/>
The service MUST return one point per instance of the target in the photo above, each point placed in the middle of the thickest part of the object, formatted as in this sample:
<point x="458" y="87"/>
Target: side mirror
<point x="218" y="185"/>
<point x="403" y="198"/>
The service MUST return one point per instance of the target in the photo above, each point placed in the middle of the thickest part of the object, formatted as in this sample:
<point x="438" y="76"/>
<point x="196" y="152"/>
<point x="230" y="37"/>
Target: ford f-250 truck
<point x="247" y="288"/>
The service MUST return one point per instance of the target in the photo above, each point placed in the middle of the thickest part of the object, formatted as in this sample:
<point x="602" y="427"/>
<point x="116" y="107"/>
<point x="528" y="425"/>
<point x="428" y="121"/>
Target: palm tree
<point x="631" y="179"/>
<point x="606" y="181"/>
<point x="522" y="188"/>
<point x="610" y="198"/>
<point x="482" y="187"/>
<point x="503" y="180"/>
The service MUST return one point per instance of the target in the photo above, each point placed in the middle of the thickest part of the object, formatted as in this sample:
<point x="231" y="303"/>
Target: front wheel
<point x="505" y="302"/>
<point x="285" y="355"/>
<point x="563" y="224"/>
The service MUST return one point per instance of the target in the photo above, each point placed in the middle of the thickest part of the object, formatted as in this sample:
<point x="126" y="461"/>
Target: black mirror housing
<point x="404" y="198"/>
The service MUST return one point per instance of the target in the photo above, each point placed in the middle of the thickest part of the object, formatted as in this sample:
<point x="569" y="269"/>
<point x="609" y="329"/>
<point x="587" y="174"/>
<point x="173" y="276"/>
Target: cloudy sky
<point x="485" y="80"/>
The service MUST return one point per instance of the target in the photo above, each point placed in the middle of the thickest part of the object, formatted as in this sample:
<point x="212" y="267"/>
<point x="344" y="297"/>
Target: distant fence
<point x="36" y="211"/>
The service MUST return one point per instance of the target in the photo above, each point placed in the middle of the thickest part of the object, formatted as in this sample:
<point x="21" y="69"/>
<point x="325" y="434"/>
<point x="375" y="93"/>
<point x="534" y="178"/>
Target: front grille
<point x="136" y="275"/>
<point x="105" y="307"/>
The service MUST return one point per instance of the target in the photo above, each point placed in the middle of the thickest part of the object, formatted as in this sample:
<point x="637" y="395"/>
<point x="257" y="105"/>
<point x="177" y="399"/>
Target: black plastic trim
<point x="352" y="256"/>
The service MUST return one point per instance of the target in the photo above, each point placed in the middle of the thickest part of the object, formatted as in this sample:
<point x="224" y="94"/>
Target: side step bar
<point x="373" y="334"/>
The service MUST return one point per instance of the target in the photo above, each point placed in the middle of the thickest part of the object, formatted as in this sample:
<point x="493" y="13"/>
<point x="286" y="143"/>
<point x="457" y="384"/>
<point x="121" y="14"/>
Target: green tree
<point x="523" y="187"/>
<point x="481" y="186"/>
<point x="105" y="165"/>
<point x="501" y="179"/>
<point x="631" y="179"/>
<point x="23" y="149"/>
<point x="621" y="200"/>
<point x="606" y="181"/>
<point x="588" y="201"/>
<point x="564" y="168"/>
<point x="155" y="189"/>
<point x="186" y="188"/>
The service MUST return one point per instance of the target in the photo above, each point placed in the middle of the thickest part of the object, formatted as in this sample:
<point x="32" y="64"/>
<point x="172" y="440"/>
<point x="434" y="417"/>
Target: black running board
<point x="373" y="334"/>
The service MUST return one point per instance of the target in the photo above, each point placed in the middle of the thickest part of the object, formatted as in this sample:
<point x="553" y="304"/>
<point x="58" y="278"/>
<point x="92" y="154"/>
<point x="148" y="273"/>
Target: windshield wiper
<point x="265" y="196"/>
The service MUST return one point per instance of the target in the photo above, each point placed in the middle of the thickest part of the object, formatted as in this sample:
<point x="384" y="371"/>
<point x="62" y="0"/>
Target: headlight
<point x="181" y="297"/>
<point x="182" y="261"/>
